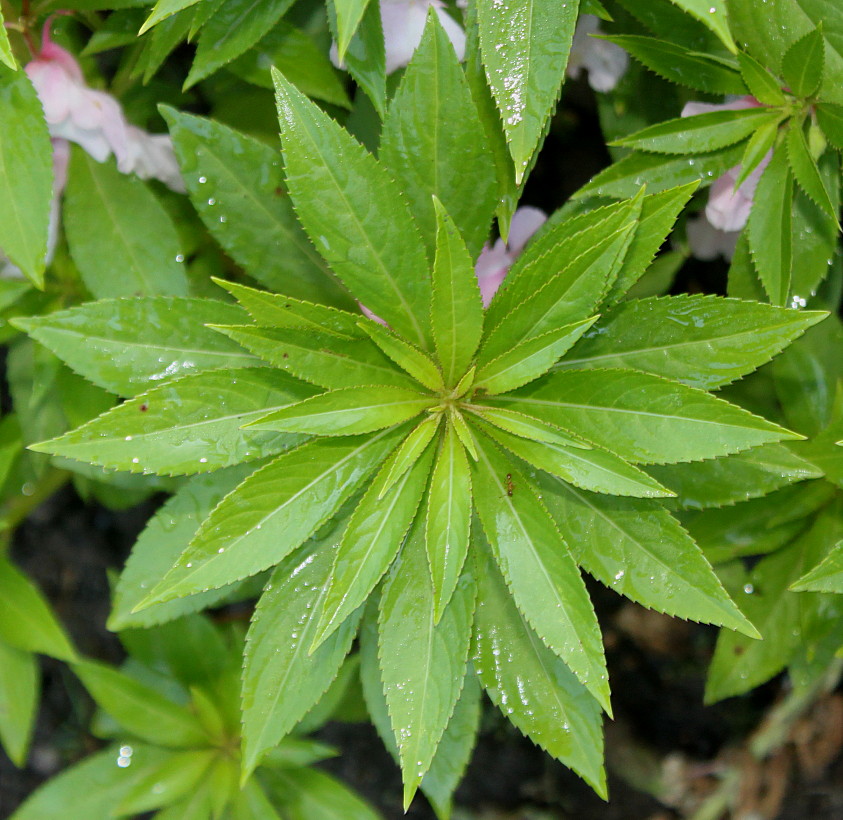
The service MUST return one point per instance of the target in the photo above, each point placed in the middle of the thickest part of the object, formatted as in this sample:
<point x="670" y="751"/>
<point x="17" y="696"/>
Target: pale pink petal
<point x="707" y="242"/>
<point x="403" y="26"/>
<point x="491" y="268"/>
<point x="691" y="109"/>
<point x="61" y="159"/>
<point x="151" y="156"/>
<point x="525" y="222"/>
<point x="370" y="315"/>
<point x="728" y="209"/>
<point x="605" y="62"/>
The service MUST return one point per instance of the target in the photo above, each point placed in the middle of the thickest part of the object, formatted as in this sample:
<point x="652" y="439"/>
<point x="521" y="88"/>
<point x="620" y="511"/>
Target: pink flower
<point x="495" y="260"/>
<point x="604" y="62"/>
<point x="728" y="208"/>
<point x="95" y="120"/>
<point x="707" y="242"/>
<point x="403" y="25"/>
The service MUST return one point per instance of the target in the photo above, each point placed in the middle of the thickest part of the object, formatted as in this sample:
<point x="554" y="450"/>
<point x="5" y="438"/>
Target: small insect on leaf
<point x="509" y="486"/>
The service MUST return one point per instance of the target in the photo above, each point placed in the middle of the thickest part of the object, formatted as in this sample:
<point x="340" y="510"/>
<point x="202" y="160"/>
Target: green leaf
<point x="371" y="541"/>
<point x="758" y="146"/>
<point x="348" y="411"/>
<point x="700" y="134"/>
<point x="713" y="17"/>
<point x="448" y="519"/>
<point x="702" y="341"/>
<point x="234" y="27"/>
<point x="827" y="576"/>
<point x="539" y="569"/>
<point x="114" y="223"/>
<point x="6" y="56"/>
<point x="354" y="212"/>
<point x="26" y="621"/>
<point x="676" y="63"/>
<point x="167" y="782"/>
<point x="456" y="310"/>
<point x="658" y="172"/>
<point x="803" y="64"/>
<point x="140" y="709"/>
<point x="423" y="663"/>
<point x="95" y="786"/>
<point x="20" y="688"/>
<point x="638" y="549"/>
<point x="410" y="450"/>
<point x="533" y="687"/>
<point x="529" y="359"/>
<point x="641" y="417"/>
<point x="236" y="185"/>
<point x="162" y="10"/>
<point x="129" y="345"/>
<point x="410" y="359"/>
<point x="805" y="169"/>
<point x="276" y="310"/>
<point x="830" y="119"/>
<point x="189" y="425"/>
<point x="595" y="469"/>
<point x="305" y="794"/>
<point x="272" y="512"/>
<point x="281" y="681"/>
<point x="527" y="427"/>
<point x="464" y="433"/>
<point x="769" y="228"/>
<point x="321" y="358"/>
<point x="26" y="176"/>
<point x="434" y="144"/>
<point x="525" y="50"/>
<point x="721" y="481"/>
<point x="349" y="15"/>
<point x="761" y="83"/>
<point x="159" y="546"/>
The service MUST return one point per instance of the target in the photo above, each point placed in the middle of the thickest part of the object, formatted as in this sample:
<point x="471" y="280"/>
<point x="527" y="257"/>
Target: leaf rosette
<point x="435" y="483"/>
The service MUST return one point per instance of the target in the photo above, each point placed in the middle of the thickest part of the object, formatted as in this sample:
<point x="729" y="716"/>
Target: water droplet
<point x="128" y="438"/>
<point x="203" y="180"/>
<point x="179" y="257"/>
<point x="135" y="461"/>
<point x="212" y="201"/>
<point x="748" y="589"/>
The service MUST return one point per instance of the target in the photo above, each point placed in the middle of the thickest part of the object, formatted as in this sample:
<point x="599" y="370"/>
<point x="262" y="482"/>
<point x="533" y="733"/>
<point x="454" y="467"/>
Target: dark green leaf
<point x="162" y="10"/>
<point x="6" y="56"/>
<point x="827" y="576"/>
<point x="20" y="688"/>
<point x="830" y="119"/>
<point x="761" y="83"/>
<point x="349" y="15"/>
<point x="305" y="794"/>
<point x="129" y="345"/>
<point x="713" y="17"/>
<point x="805" y="170"/>
<point x="353" y="210"/>
<point x="803" y="64"/>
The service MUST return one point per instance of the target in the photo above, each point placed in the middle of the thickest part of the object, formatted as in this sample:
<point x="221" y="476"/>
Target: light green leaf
<point x="139" y="708"/>
<point x="348" y="411"/>
<point x="281" y="680"/>
<point x="323" y="359"/>
<point x="26" y="175"/>
<point x="130" y="345"/>
<point x="827" y="576"/>
<point x="464" y="433"/>
<point x="594" y="469"/>
<point x="272" y="512"/>
<point x="533" y="687"/>
<point x="167" y="782"/>
<point x="234" y="27"/>
<point x="526" y="427"/>
<point x="349" y="15"/>
<point x="189" y="425"/>
<point x="721" y="481"/>
<point x="761" y="83"/>
<point x="236" y="184"/>
<point x="355" y="214"/>
<point x="638" y="549"/>
<point x="410" y="451"/>
<point x="539" y="569"/>
<point x="305" y="794"/>
<point x="803" y="64"/>
<point x="758" y="146"/>
<point x="712" y="16"/>
<point x="456" y="310"/>
<point x="422" y="662"/>
<point x="830" y="119"/>
<point x="159" y="546"/>
<point x="701" y="133"/>
<point x="702" y="341"/>
<point x="420" y="366"/>
<point x="641" y="417"/>
<point x="26" y="621"/>
<point x="114" y="223"/>
<point x="805" y="169"/>
<point x="769" y="228"/>
<point x="276" y="310"/>
<point x="676" y="63"/>
<point x="529" y="359"/>
<point x="20" y="689"/>
<point x="433" y="142"/>
<point x="525" y="48"/>
<point x="448" y="519"/>
<point x="93" y="787"/>
<point x="371" y="541"/>
<point x="162" y="10"/>
<point x="6" y="56"/>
